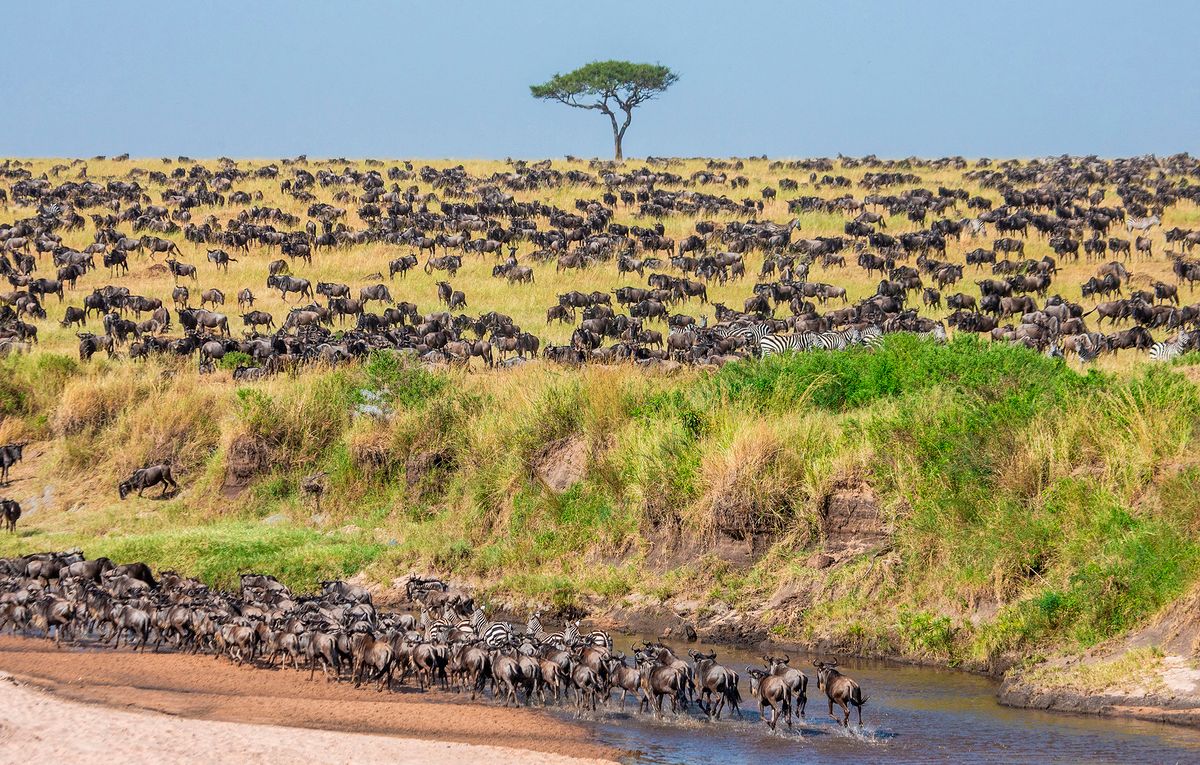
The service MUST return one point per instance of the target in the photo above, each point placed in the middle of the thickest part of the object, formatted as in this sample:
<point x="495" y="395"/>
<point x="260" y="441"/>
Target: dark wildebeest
<point x="10" y="454"/>
<point x="156" y="245"/>
<point x="74" y="315"/>
<point x="401" y="265"/>
<point x="715" y="680"/>
<point x="286" y="284"/>
<point x="214" y="296"/>
<point x="258" y="318"/>
<point x="771" y="691"/>
<point x="245" y="298"/>
<point x="840" y="689"/>
<point x="146" y="477"/>
<point x="221" y="259"/>
<point x="12" y="513"/>
<point x="181" y="270"/>
<point x="375" y="292"/>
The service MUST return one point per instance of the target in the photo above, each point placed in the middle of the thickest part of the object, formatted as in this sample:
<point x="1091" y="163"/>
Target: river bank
<point x="192" y="708"/>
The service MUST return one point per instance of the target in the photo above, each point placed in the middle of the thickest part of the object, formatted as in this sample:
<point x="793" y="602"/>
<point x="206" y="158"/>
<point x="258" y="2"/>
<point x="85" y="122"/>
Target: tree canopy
<point x="608" y="87"/>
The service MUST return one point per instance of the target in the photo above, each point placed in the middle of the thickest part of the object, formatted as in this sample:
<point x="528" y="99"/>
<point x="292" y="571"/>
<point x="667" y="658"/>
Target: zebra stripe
<point x="752" y="334"/>
<point x="479" y="622"/>
<point x="1170" y="349"/>
<point x="498" y="635"/>
<point x="600" y="639"/>
<point x="772" y="345"/>
<point x="534" y="627"/>
<point x="872" y="337"/>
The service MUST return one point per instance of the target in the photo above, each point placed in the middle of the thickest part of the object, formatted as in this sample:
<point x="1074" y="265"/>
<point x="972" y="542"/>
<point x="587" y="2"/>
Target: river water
<point x="913" y="715"/>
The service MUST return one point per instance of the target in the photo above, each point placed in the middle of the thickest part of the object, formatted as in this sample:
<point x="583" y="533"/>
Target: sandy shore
<point x="38" y="727"/>
<point x="157" y="708"/>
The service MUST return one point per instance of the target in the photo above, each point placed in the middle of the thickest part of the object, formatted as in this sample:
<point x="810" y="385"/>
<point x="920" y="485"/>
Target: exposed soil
<point x="203" y="688"/>
<point x="247" y="457"/>
<point x="851" y="521"/>
<point x="1169" y="692"/>
<point x="562" y="464"/>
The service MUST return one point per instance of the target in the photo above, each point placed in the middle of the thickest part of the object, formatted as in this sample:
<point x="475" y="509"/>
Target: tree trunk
<point x="617" y="146"/>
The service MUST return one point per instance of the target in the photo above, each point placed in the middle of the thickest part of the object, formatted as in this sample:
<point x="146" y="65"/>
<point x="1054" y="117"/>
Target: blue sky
<point x="450" y="79"/>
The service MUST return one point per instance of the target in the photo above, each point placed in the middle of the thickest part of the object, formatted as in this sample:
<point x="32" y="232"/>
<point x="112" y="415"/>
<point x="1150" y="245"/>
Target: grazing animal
<point x="840" y="690"/>
<point x="146" y="477"/>
<point x="11" y="511"/>
<point x="10" y="454"/>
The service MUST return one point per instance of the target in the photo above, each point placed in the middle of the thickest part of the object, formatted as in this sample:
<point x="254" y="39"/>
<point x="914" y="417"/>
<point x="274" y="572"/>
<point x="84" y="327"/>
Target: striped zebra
<point x="599" y="639"/>
<point x="838" y="340"/>
<point x="1133" y="223"/>
<point x="771" y="345"/>
<point x="1170" y="349"/>
<point x="494" y="634"/>
<point x="569" y="636"/>
<point x="752" y="333"/>
<point x="533" y="628"/>
<point x="938" y="333"/>
<point x="810" y="341"/>
<point x="872" y="337"/>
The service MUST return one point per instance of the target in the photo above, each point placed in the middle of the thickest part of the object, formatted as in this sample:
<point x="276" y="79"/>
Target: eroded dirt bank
<point x="200" y="688"/>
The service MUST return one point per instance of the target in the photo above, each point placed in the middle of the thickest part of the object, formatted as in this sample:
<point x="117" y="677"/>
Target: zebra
<point x="599" y="639"/>
<point x="534" y="627"/>
<point x="838" y="340"/>
<point x="872" y="337"/>
<point x="1142" y="224"/>
<point x="752" y="333"/>
<point x="494" y="634"/>
<point x="938" y="333"/>
<point x="569" y="636"/>
<point x="1170" y="349"/>
<point x="771" y="345"/>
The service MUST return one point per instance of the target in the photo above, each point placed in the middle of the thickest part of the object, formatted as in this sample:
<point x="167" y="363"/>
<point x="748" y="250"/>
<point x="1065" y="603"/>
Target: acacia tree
<point x="608" y="87"/>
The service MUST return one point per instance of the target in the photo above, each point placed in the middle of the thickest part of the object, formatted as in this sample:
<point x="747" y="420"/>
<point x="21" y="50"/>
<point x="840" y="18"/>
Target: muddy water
<point x="913" y="715"/>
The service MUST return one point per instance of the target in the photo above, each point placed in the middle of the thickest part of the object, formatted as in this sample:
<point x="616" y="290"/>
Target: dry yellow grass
<point x="527" y="303"/>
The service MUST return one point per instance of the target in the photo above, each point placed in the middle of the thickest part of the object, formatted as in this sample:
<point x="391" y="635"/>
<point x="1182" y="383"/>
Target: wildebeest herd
<point x="643" y="262"/>
<point x="444" y="640"/>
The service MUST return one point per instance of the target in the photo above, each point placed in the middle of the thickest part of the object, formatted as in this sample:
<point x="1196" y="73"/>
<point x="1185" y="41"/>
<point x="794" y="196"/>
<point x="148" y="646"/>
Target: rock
<point x="820" y="560"/>
<point x="785" y="594"/>
<point x="275" y="520"/>
<point x="689" y="633"/>
<point x="851" y="521"/>
<point x="719" y="607"/>
<point x="562" y="464"/>
<point x="685" y="606"/>
<point x="247" y="457"/>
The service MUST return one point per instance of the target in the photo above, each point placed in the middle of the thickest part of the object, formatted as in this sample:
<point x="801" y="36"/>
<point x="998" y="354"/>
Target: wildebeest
<point x="840" y="690"/>
<point x="286" y="284"/>
<point x="10" y="509"/>
<point x="146" y="477"/>
<point x="181" y="270"/>
<point x="10" y="454"/>
<point x="221" y="259"/>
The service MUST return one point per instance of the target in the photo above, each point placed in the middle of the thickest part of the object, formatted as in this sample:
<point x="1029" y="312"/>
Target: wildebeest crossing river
<point x="913" y="715"/>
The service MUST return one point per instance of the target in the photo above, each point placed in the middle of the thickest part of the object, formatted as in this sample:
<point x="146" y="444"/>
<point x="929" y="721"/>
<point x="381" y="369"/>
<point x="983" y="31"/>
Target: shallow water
<point x="913" y="715"/>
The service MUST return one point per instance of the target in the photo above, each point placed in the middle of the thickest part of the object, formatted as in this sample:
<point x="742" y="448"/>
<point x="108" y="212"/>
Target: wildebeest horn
<point x="786" y="658"/>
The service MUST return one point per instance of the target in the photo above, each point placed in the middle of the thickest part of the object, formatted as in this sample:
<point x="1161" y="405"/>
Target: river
<point x="913" y="715"/>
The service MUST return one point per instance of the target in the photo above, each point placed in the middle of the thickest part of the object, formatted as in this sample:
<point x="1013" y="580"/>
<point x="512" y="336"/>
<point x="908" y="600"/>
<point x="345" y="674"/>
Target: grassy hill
<point x="1022" y="506"/>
